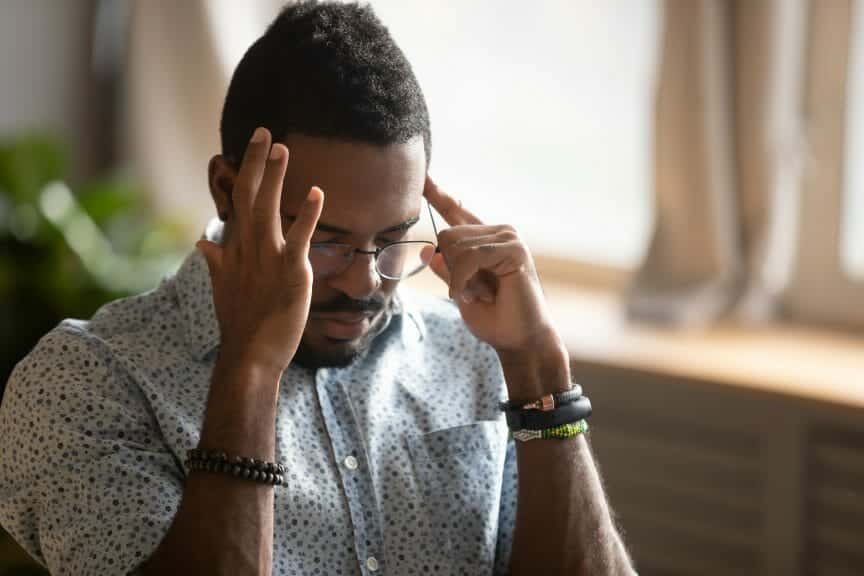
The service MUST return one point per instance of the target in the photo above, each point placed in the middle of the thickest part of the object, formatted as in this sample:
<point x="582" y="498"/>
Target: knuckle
<point x="447" y="236"/>
<point x="508" y="233"/>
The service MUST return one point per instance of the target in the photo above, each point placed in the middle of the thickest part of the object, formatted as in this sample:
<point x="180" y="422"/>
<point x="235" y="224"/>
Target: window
<point x="541" y="115"/>
<point x="853" y="208"/>
<point x="827" y="286"/>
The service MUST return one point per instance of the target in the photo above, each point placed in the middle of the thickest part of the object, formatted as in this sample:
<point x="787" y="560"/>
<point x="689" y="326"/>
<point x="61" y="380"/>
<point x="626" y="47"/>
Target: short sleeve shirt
<point x="397" y="464"/>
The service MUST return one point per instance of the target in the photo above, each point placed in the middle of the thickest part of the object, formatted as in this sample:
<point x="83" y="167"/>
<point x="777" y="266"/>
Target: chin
<point x="317" y="350"/>
<point x="328" y="354"/>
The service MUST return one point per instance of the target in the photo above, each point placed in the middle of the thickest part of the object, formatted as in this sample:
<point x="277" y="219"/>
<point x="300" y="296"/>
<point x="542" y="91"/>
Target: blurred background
<point x="687" y="173"/>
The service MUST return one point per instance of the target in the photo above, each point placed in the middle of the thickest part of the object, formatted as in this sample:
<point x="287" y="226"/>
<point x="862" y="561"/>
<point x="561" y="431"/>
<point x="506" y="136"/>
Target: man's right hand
<point x="262" y="280"/>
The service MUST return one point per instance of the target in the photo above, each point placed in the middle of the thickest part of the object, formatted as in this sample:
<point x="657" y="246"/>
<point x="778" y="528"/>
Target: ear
<point x="221" y="175"/>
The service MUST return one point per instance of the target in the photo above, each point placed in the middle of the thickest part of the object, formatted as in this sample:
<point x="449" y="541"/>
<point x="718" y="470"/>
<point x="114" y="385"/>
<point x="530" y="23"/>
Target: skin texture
<point x="225" y="525"/>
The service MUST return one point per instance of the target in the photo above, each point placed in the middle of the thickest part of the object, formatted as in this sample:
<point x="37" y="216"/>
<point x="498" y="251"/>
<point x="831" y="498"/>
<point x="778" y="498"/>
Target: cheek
<point x="322" y="291"/>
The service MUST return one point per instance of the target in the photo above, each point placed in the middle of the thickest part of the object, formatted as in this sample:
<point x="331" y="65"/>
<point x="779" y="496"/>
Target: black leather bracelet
<point x="558" y="399"/>
<point x="540" y="420"/>
<point x="237" y="466"/>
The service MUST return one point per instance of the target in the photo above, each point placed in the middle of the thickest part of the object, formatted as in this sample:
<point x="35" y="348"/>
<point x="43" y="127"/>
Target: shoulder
<point x="81" y="358"/>
<point x="70" y="368"/>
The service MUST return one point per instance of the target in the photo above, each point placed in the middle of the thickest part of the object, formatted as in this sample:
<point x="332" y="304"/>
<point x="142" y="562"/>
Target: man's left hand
<point x="493" y="280"/>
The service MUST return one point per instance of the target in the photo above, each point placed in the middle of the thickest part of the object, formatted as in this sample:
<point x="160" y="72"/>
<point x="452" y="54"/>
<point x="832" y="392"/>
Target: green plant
<point x="63" y="253"/>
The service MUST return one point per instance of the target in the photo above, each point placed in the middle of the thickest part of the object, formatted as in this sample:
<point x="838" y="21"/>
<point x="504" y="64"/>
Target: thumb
<point x="212" y="253"/>
<point x="307" y="219"/>
<point x="438" y="266"/>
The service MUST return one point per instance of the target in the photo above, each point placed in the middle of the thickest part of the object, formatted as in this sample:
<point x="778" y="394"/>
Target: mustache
<point x="344" y="303"/>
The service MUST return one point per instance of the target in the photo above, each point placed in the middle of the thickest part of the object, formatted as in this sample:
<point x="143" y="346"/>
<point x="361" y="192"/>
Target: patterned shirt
<point x="397" y="464"/>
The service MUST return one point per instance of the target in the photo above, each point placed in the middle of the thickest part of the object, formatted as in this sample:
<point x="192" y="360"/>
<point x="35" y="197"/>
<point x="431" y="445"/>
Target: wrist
<point x="534" y="372"/>
<point x="248" y="366"/>
<point x="253" y="362"/>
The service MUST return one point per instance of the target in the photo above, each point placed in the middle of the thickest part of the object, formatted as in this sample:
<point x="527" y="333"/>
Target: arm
<point x="563" y="524"/>
<point x="262" y="286"/>
<point x="225" y="525"/>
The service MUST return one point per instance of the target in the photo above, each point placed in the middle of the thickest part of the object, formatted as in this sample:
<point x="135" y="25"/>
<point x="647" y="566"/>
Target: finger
<point x="499" y="259"/>
<point x="454" y="241"/>
<point x="463" y="232"/>
<point x="448" y="206"/>
<point x="249" y="178"/>
<point x="439" y="267"/>
<point x="212" y="253"/>
<point x="472" y="236"/>
<point x="301" y="230"/>
<point x="482" y="287"/>
<point x="268" y="220"/>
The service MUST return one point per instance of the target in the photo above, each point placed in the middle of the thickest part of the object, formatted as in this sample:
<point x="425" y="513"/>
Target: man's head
<point x="330" y="83"/>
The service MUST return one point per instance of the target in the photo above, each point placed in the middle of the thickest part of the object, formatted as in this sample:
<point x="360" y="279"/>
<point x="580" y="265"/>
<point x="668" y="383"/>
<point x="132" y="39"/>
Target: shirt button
<point x="351" y="463"/>
<point x="372" y="564"/>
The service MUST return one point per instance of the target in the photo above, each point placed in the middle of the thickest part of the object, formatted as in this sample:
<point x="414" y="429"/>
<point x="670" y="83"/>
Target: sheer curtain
<point x="728" y="156"/>
<point x="180" y="60"/>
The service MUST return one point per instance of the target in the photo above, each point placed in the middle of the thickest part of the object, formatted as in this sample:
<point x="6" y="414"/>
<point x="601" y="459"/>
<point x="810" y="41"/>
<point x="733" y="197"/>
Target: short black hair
<point x="325" y="69"/>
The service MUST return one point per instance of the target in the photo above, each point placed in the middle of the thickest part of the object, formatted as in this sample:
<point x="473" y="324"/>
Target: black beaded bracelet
<point x="546" y="403"/>
<point x="540" y="420"/>
<point x="237" y="466"/>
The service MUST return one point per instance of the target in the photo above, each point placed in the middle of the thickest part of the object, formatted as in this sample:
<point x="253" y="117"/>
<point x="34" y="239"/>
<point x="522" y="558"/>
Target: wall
<point x="45" y="82"/>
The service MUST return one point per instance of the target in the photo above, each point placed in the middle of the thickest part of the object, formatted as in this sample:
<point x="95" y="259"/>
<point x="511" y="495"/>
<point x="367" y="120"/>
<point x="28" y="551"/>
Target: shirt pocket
<point x="459" y="473"/>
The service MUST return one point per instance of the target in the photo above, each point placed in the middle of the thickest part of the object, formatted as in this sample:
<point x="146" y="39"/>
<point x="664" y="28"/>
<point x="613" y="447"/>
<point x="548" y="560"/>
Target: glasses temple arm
<point x="434" y="227"/>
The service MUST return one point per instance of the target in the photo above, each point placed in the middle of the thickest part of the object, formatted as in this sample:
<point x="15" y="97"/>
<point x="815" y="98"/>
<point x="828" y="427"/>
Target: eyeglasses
<point x="394" y="261"/>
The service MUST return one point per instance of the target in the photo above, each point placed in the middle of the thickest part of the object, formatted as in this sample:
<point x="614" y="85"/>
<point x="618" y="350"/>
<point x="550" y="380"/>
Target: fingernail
<point x="259" y="135"/>
<point x="277" y="152"/>
<point x="467" y="297"/>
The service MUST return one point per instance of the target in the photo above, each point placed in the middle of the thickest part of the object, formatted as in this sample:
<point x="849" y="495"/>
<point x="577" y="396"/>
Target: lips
<point x="346" y="326"/>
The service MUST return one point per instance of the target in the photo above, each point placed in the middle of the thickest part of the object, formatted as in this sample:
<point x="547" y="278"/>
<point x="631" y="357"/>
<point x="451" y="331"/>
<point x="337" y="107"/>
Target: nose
<point x="360" y="280"/>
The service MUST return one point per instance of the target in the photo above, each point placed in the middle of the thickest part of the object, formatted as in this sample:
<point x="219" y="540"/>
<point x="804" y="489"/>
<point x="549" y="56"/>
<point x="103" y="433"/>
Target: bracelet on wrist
<point x="558" y="432"/>
<point x="238" y="466"/>
<point x="545" y="403"/>
<point x="540" y="420"/>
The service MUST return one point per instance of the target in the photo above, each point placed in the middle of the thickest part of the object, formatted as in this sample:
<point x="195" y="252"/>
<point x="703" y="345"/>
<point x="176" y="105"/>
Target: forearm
<point x="224" y="524"/>
<point x="563" y="522"/>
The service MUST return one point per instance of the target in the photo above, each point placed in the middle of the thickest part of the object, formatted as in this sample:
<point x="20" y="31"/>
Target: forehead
<point x="366" y="187"/>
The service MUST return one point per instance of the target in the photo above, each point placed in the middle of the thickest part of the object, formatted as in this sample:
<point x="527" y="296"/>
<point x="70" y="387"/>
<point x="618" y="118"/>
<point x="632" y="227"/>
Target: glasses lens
<point x="404" y="259"/>
<point x="330" y="259"/>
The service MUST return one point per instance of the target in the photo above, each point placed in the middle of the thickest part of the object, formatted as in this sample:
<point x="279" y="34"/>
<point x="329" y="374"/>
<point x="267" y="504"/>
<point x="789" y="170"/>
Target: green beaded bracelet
<point x="559" y="432"/>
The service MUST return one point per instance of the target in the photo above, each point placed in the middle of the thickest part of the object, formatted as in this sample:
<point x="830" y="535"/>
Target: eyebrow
<point x="401" y="227"/>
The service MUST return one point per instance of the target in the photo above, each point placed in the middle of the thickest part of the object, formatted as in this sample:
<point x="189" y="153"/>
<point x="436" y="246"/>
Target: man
<point x="372" y="416"/>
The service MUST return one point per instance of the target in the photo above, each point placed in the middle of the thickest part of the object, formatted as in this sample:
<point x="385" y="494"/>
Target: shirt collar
<point x="195" y="294"/>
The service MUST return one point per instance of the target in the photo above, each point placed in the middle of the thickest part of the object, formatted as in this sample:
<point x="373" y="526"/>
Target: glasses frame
<point x="377" y="252"/>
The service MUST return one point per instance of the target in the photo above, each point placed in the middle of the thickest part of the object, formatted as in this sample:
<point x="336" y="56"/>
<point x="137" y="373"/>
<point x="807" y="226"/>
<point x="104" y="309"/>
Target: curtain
<point x="180" y="59"/>
<point x="728" y="149"/>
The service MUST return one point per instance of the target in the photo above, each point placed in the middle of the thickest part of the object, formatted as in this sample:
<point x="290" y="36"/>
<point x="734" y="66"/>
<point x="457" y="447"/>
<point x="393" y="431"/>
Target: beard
<point x="333" y="353"/>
